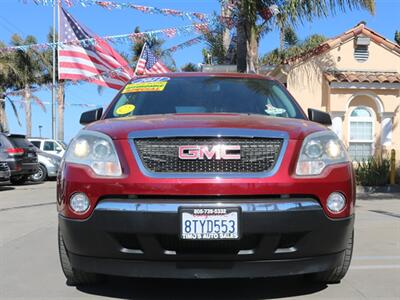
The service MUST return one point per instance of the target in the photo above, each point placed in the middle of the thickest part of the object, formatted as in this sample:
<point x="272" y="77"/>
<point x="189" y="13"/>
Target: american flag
<point x="92" y="59"/>
<point x="148" y="63"/>
<point x="69" y="3"/>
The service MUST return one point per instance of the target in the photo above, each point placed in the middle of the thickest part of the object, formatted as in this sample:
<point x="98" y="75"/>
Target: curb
<point x="378" y="192"/>
<point x="393" y="188"/>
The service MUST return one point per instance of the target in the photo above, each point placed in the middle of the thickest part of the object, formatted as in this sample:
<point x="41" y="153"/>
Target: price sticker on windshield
<point x="150" y="84"/>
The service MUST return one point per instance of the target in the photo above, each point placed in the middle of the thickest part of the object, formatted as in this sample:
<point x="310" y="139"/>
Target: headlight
<point x="96" y="150"/>
<point x="319" y="150"/>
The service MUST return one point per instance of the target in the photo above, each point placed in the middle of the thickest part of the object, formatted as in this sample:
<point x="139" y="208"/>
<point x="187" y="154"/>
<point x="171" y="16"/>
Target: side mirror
<point x="319" y="116"/>
<point x="91" y="116"/>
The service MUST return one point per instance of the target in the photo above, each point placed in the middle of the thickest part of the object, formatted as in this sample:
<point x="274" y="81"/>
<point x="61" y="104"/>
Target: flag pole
<point x="141" y="53"/>
<point x="57" y="73"/>
<point x="53" y="90"/>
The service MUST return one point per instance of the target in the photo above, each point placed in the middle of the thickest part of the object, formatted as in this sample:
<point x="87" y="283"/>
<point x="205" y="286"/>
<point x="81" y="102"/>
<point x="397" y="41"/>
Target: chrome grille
<point x="160" y="155"/>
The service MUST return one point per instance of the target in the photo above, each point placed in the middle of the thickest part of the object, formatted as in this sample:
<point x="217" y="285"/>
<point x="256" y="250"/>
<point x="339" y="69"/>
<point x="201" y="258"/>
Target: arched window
<point x="361" y="133"/>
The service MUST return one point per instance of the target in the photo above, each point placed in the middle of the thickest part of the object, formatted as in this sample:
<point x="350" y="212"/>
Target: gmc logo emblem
<point x="216" y="152"/>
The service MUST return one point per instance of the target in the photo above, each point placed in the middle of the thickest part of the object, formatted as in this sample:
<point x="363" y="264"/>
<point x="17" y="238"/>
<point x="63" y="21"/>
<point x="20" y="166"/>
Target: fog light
<point x="336" y="202"/>
<point x="79" y="203"/>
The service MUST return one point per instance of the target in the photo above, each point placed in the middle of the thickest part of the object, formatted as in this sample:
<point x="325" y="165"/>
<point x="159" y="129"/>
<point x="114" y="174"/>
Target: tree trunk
<point x="28" y="111"/>
<point x="226" y="36"/>
<point x="252" y="50"/>
<point x="241" y="46"/>
<point x="282" y="37"/>
<point x="247" y="46"/>
<point x="61" y="108"/>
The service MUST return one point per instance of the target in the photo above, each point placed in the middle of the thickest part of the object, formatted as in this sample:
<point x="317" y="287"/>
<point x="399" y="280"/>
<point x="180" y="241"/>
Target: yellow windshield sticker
<point x="125" y="109"/>
<point x="150" y="84"/>
<point x="145" y="87"/>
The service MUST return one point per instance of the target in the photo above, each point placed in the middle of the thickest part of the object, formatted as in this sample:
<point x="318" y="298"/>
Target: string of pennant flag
<point x="186" y="44"/>
<point x="128" y="5"/>
<point x="129" y="37"/>
<point x="202" y="28"/>
<point x="20" y="101"/>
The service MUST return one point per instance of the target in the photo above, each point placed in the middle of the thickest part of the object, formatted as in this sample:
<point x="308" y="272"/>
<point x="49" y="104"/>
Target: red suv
<point x="205" y="176"/>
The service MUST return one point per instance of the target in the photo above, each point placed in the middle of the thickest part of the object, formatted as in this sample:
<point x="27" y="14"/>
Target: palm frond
<point x="38" y="102"/>
<point x="299" y="10"/>
<point x="14" y="110"/>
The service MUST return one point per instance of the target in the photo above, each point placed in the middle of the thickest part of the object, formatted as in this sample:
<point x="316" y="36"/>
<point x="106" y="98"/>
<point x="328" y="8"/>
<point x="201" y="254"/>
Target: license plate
<point x="210" y="223"/>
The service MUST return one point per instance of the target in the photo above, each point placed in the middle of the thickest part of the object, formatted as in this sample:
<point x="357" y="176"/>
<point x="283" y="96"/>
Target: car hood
<point x="120" y="128"/>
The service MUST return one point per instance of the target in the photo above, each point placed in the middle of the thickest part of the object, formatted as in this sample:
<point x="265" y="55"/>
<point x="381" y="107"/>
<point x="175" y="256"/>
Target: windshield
<point x="20" y="142"/>
<point x="4" y="142"/>
<point x="164" y="95"/>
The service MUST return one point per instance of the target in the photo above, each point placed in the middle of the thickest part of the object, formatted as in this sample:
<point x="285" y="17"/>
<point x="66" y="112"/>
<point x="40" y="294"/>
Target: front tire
<point x="337" y="274"/>
<point x="73" y="276"/>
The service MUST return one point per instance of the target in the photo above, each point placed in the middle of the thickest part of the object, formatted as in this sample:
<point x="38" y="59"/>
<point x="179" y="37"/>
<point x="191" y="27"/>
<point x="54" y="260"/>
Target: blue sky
<point x="24" y="19"/>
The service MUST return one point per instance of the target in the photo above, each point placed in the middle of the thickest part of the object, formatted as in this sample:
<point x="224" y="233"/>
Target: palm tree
<point x="290" y="38"/>
<point x="8" y="72"/>
<point x="215" y="51"/>
<point x="46" y="60"/>
<point x="190" y="67"/>
<point x="397" y="37"/>
<point x="5" y="83"/>
<point x="291" y="49"/>
<point x="249" y="28"/>
<point x="282" y="23"/>
<point x="26" y="72"/>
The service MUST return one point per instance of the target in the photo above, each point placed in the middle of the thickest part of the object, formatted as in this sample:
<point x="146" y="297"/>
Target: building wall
<point x="385" y="105"/>
<point x="380" y="58"/>
<point x="306" y="82"/>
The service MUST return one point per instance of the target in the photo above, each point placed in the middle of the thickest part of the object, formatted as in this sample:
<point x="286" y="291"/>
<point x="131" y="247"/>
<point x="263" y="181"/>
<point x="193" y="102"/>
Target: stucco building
<point x="356" y="78"/>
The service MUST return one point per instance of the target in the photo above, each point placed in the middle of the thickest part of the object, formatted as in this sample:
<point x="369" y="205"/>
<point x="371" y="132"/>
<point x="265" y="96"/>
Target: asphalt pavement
<point x="29" y="265"/>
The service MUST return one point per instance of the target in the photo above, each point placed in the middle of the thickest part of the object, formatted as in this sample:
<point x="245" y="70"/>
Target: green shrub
<point x="372" y="172"/>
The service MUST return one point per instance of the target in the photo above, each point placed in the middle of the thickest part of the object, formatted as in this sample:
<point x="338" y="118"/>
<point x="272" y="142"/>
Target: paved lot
<point x="29" y="266"/>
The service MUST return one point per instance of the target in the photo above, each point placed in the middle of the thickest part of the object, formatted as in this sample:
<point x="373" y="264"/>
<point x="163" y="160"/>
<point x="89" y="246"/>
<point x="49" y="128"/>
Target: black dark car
<point x="4" y="169"/>
<point x="22" y="158"/>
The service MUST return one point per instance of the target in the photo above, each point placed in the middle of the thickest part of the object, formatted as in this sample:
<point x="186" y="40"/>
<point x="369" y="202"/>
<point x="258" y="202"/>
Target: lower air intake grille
<point x="174" y="243"/>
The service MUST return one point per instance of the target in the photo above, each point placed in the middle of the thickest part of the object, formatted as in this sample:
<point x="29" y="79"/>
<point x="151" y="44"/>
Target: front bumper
<point x="140" y="238"/>
<point x="26" y="169"/>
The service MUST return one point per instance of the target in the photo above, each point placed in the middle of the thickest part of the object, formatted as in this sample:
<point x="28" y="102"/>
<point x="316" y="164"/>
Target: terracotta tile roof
<point x="344" y="37"/>
<point x="367" y="77"/>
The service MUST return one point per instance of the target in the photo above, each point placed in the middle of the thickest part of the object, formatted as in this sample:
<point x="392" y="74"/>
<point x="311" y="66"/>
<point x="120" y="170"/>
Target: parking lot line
<point x="371" y="257"/>
<point x="26" y="206"/>
<point x="375" y="267"/>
